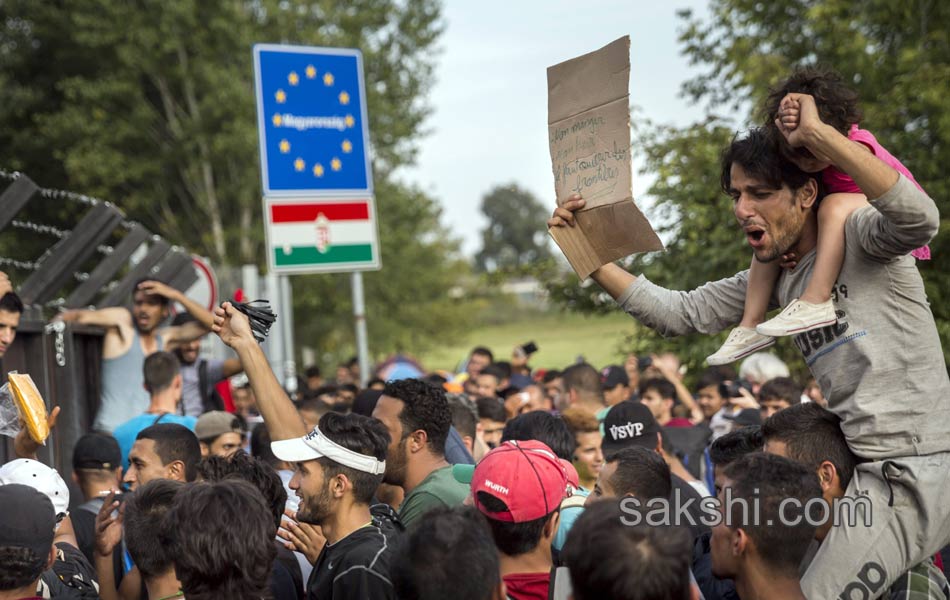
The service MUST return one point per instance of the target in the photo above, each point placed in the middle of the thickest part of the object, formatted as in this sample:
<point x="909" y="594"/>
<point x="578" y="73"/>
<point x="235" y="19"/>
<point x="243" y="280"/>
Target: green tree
<point x="411" y="305"/>
<point x="151" y="105"/>
<point x="897" y="55"/>
<point x="515" y="236"/>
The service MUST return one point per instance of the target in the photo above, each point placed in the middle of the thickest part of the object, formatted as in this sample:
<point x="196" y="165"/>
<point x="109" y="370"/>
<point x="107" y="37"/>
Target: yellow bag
<point x="30" y="405"/>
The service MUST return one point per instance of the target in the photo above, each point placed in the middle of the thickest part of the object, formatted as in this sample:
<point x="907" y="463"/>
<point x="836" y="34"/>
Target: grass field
<point x="561" y="338"/>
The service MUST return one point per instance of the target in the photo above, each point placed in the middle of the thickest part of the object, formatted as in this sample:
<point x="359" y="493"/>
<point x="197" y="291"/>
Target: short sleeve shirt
<point x="190" y="385"/>
<point x="440" y="488"/>
<point x="126" y="433"/>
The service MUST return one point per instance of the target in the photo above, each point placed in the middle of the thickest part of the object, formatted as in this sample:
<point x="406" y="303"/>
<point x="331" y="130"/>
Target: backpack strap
<point x="159" y="418"/>
<point x="203" y="384"/>
<point x="92" y="506"/>
<point x="574" y="501"/>
<point x="560" y="587"/>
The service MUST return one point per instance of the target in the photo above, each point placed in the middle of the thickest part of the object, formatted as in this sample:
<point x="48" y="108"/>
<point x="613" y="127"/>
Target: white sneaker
<point x="799" y="316"/>
<point x="742" y="342"/>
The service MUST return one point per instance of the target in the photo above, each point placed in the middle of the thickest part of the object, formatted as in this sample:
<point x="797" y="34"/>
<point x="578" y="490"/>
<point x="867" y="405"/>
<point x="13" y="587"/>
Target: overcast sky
<point x="489" y="124"/>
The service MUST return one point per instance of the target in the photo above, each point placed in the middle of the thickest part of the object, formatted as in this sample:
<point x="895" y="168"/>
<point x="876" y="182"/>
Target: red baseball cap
<point x="573" y="479"/>
<point x="526" y="475"/>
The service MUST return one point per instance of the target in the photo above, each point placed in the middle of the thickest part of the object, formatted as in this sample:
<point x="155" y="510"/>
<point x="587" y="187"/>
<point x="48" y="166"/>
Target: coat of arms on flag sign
<point x="323" y="233"/>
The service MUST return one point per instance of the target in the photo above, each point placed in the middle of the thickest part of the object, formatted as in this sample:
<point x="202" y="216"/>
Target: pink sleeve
<point x="865" y="137"/>
<point x="838" y="182"/>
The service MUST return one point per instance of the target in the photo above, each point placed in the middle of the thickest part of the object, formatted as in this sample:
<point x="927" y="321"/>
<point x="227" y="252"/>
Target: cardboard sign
<point x="589" y="136"/>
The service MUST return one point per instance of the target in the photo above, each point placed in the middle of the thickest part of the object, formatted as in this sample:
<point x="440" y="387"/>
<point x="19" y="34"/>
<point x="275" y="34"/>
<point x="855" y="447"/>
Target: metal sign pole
<point x="287" y="328"/>
<point x="359" y="316"/>
<point x="274" y="344"/>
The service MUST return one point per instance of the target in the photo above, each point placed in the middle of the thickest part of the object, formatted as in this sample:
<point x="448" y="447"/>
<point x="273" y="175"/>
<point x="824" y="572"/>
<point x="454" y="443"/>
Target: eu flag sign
<point x="311" y="109"/>
<point x="319" y="210"/>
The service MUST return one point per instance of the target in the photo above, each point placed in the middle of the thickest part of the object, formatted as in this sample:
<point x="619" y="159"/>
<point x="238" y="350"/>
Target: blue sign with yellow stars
<point x="311" y="110"/>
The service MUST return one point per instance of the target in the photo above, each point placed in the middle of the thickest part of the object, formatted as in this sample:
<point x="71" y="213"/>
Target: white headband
<point x="316" y="445"/>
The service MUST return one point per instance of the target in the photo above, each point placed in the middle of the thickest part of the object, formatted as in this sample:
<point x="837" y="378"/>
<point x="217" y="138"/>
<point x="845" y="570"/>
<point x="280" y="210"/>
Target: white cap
<point x="316" y="445"/>
<point x="39" y="477"/>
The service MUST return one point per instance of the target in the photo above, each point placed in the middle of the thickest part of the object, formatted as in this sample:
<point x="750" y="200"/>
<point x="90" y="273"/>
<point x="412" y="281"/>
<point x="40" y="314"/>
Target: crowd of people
<point x="635" y="480"/>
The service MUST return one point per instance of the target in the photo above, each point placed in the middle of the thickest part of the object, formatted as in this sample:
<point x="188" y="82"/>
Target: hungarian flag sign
<point x="322" y="235"/>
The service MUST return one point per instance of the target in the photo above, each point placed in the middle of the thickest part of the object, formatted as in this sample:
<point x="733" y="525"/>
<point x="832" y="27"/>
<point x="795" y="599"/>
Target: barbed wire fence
<point x="55" y="280"/>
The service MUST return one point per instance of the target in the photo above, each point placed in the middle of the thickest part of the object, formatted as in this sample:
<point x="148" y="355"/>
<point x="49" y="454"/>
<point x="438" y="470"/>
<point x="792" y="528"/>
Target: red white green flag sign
<point x="321" y="235"/>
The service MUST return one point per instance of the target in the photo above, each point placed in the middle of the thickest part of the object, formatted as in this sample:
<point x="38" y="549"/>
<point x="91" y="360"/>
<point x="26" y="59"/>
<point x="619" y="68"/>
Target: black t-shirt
<point x="686" y="493"/>
<point x="358" y="565"/>
<point x="712" y="587"/>
<point x="281" y="584"/>
<point x="71" y="576"/>
<point x="84" y="524"/>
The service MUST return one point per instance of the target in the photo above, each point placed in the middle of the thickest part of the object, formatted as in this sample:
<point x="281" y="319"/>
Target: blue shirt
<point x="568" y="516"/>
<point x="455" y="451"/>
<point x="126" y="433"/>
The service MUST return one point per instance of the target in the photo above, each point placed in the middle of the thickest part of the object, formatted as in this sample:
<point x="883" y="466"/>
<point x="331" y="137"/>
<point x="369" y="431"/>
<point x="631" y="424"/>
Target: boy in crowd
<point x="713" y="404"/>
<point x="655" y="560"/>
<point x="199" y="375"/>
<point x="422" y="572"/>
<point x="479" y="358"/>
<point x="811" y="435"/>
<point x="633" y="472"/>
<point x="11" y="307"/>
<point x="27" y="526"/>
<point x="491" y="417"/>
<point x="213" y="558"/>
<point x="145" y="528"/>
<point x="519" y="487"/>
<point x="588" y="457"/>
<point x="163" y="451"/>
<point x="659" y="395"/>
<point x="97" y="470"/>
<point x="616" y="384"/>
<point x="778" y="394"/>
<point x="162" y="376"/>
<point x="220" y="433"/>
<point x="761" y="548"/>
<point x="418" y="419"/>
<point x="582" y="388"/>
<point x="339" y="465"/>
<point x="490" y="381"/>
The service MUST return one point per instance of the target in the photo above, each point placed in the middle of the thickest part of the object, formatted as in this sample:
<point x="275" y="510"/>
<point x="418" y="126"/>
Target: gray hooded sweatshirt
<point x="881" y="366"/>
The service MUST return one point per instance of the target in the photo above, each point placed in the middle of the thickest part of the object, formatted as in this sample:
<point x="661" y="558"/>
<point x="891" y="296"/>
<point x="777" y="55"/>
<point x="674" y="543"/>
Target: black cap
<point x="27" y="519"/>
<point x="97" y="451"/>
<point x="745" y="417"/>
<point x="182" y="318"/>
<point x="612" y="376"/>
<point x="628" y="424"/>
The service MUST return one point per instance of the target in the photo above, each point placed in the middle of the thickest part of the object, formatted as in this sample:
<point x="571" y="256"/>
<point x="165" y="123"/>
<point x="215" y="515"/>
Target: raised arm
<point x="173" y="336"/>
<point x="610" y="277"/>
<point x="117" y="317"/>
<point x="708" y="309"/>
<point x="907" y="219"/>
<point x="281" y="418"/>
<point x="682" y="392"/>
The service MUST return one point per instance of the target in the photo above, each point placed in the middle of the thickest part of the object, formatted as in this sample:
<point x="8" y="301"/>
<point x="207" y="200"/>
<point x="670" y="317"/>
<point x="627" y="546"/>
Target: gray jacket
<point x="881" y="366"/>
